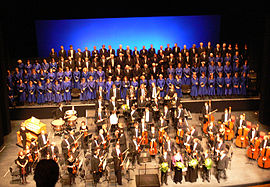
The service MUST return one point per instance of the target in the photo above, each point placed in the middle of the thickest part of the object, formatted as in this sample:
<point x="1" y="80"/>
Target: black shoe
<point x="208" y="180"/>
<point x="218" y="181"/>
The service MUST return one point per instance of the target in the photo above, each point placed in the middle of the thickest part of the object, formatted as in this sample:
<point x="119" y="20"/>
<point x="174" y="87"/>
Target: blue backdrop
<point x="135" y="31"/>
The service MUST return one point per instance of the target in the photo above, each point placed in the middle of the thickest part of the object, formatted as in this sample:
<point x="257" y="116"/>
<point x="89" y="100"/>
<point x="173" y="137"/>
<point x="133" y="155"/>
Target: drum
<point x="70" y="113"/>
<point x="58" y="124"/>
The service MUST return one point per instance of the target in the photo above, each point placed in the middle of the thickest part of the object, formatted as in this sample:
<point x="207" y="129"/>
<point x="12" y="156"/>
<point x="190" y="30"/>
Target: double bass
<point x="264" y="158"/>
<point x="229" y="132"/>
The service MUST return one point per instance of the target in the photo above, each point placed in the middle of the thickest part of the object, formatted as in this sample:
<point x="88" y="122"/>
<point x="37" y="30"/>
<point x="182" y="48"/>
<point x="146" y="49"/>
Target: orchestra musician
<point x="22" y="162"/>
<point x="253" y="133"/>
<point x="117" y="159"/>
<point x="134" y="148"/>
<point x="72" y="168"/>
<point x="165" y="158"/>
<point x="222" y="165"/>
<point x="85" y="137"/>
<point x="95" y="161"/>
<point x="23" y="135"/>
<point x="42" y="143"/>
<point x="53" y="152"/>
<point x="65" y="145"/>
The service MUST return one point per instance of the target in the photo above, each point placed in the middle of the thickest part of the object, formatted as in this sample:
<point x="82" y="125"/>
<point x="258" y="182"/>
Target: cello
<point x="264" y="158"/>
<point x="242" y="138"/>
<point x="179" y="136"/>
<point x="210" y="118"/>
<point x="253" y="150"/>
<point x="153" y="147"/>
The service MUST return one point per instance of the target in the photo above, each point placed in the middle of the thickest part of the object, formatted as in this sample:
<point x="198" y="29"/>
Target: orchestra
<point x="155" y="122"/>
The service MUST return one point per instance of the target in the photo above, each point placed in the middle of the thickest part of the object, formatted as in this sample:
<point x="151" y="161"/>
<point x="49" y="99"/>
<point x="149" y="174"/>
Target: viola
<point x="264" y="158"/>
<point x="253" y="150"/>
<point x="179" y="136"/>
<point x="153" y="148"/>
<point x="145" y="141"/>
<point x="242" y="138"/>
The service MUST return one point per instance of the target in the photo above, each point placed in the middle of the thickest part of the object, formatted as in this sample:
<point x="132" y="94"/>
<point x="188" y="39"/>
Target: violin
<point x="242" y="138"/>
<point x="179" y="136"/>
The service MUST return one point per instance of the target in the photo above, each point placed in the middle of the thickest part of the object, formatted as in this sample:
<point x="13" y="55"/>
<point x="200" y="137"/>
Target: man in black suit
<point x="95" y="167"/>
<point x="253" y="133"/>
<point x="143" y="52"/>
<point x="53" y="151"/>
<point x="110" y="51"/>
<point x="120" y="50"/>
<point x="114" y="92"/>
<point x="71" y="52"/>
<point x="103" y="51"/>
<point x="151" y="51"/>
<point x="116" y="154"/>
<point x="65" y="145"/>
<point x="86" y="53"/>
<point x="42" y="143"/>
<point x="176" y="50"/>
<point x="134" y="150"/>
<point x="222" y="165"/>
<point x="95" y="53"/>
<point x="169" y="146"/>
<point x="168" y="51"/>
<point x="79" y="54"/>
<point x="62" y="52"/>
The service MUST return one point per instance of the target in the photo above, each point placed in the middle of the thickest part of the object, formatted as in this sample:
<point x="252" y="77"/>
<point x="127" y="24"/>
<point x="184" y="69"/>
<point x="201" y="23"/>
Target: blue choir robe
<point x="168" y="82"/>
<point x="202" y="86"/>
<point x="227" y="69"/>
<point x="178" y="87"/>
<point x="179" y="71"/>
<point x="143" y="82"/>
<point x="218" y="59"/>
<point x="60" y="78"/>
<point x="34" y="78"/>
<point x="211" y="69"/>
<point x="243" y="86"/>
<point x="228" y="86"/>
<point x="45" y="67"/>
<point x="170" y="71"/>
<point x="219" y="69"/>
<point x="53" y="65"/>
<point x="220" y="86"/>
<point x="52" y="77"/>
<point x="83" y="88"/>
<point x="31" y="93"/>
<point x="101" y="84"/>
<point x="26" y="78"/>
<point x="10" y="95"/>
<point x="93" y="74"/>
<point x="42" y="77"/>
<point x="108" y="89"/>
<point x="28" y="68"/>
<point x="68" y="74"/>
<point x="118" y="85"/>
<point x="76" y="79"/>
<point x="245" y="69"/>
<point x="49" y="97"/>
<point x="17" y="77"/>
<point x="211" y="87"/>
<point x="236" y="69"/>
<point x="161" y="86"/>
<point x="236" y="85"/>
<point x="194" y="87"/>
<point x="226" y="59"/>
<point x="40" y="94"/>
<point x="21" y="88"/>
<point x="58" y="98"/>
<point x="135" y="84"/>
<point x="91" y="89"/>
<point x="10" y="80"/>
<point x="203" y="69"/>
<point x="125" y="87"/>
<point x="152" y="81"/>
<point x="211" y="59"/>
<point x="37" y="67"/>
<point x="100" y="74"/>
<point x="67" y="90"/>
<point x="21" y="67"/>
<point x="85" y="75"/>
<point x="186" y="77"/>
<point x="196" y="70"/>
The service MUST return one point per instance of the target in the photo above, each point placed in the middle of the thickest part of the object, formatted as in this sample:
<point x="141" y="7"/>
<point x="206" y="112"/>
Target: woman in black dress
<point x="22" y="162"/>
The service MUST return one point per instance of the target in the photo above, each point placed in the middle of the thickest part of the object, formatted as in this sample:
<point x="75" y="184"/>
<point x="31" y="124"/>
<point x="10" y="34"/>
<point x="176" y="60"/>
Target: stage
<point x="45" y="111"/>
<point x="242" y="171"/>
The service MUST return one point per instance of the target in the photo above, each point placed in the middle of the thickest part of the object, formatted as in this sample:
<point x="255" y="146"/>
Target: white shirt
<point x="147" y="116"/>
<point x="135" y="142"/>
<point x="118" y="152"/>
<point x="113" y="119"/>
<point x="154" y="95"/>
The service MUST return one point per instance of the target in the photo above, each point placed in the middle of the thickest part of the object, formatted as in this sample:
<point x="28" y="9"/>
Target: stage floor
<point x="241" y="172"/>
